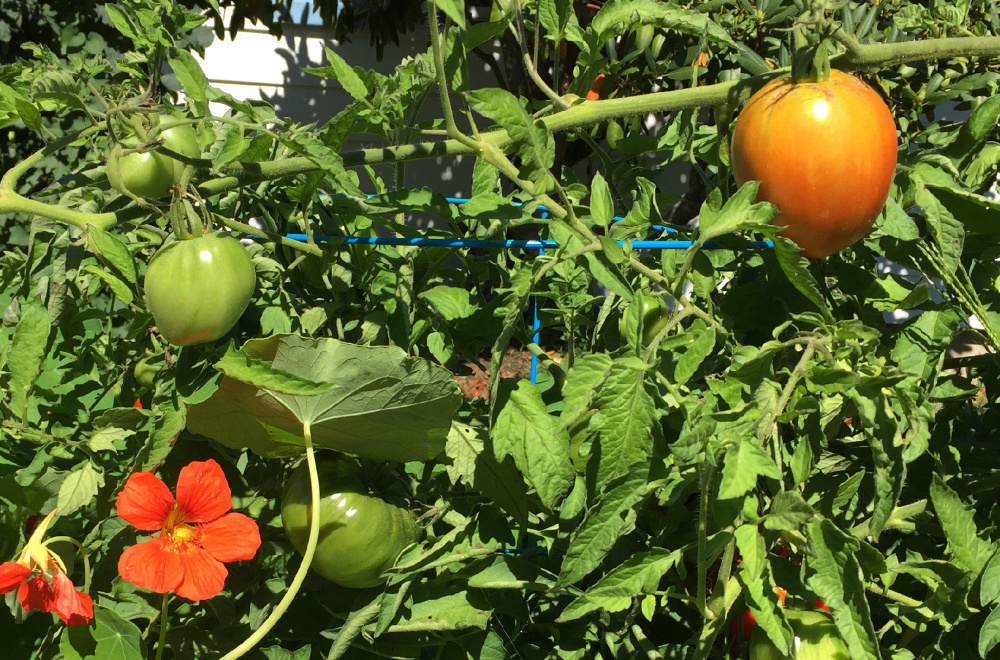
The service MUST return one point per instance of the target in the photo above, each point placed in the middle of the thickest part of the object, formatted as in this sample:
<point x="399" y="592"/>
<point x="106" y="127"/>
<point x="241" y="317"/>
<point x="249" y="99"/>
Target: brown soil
<point x="516" y="364"/>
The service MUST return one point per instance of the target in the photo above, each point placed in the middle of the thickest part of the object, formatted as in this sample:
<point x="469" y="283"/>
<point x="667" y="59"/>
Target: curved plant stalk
<point x="307" y="557"/>
<point x="83" y="555"/>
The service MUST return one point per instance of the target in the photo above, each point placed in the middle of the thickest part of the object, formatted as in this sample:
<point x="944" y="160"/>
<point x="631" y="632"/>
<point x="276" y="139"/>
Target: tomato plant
<point x="197" y="288"/>
<point x="825" y="154"/>
<point x="360" y="533"/>
<point x="151" y="173"/>
<point x="428" y="227"/>
<point x="815" y="638"/>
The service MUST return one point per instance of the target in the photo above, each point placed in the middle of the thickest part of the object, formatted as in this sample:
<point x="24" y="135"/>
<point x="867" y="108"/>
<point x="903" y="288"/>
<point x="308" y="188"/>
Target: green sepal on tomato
<point x="825" y="154"/>
<point x="151" y="173"/>
<point x="197" y="288"/>
<point x="815" y="638"/>
<point x="361" y="534"/>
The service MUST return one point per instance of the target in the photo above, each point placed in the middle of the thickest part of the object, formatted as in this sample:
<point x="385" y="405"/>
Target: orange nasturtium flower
<point x="29" y="575"/>
<point x="197" y="532"/>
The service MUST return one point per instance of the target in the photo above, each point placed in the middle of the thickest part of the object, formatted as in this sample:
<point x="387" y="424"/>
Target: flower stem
<point x="83" y="554"/>
<point x="161" y="642"/>
<point x="307" y="557"/>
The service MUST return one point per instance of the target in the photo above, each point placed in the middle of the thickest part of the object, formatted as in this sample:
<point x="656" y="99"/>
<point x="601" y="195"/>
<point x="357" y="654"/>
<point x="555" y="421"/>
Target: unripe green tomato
<point x="146" y="174"/>
<point x="816" y="638"/>
<point x="654" y="317"/>
<point x="182" y="139"/>
<point x="152" y="174"/>
<point x="198" y="288"/>
<point x="146" y="369"/>
<point x="360" y="534"/>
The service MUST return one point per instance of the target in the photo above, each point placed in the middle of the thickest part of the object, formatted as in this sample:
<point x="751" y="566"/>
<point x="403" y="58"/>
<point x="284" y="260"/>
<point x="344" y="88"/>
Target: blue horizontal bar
<point x="497" y="244"/>
<point x="530" y="244"/>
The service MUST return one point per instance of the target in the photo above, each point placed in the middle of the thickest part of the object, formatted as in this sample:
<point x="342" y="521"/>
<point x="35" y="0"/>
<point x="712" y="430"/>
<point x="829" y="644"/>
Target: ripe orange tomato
<point x="825" y="154"/>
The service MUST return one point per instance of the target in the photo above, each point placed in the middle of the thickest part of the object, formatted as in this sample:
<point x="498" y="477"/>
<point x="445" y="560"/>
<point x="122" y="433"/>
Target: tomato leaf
<point x="582" y="384"/>
<point x="616" y="16"/>
<point x="989" y="634"/>
<point x="191" y="77"/>
<point x="989" y="587"/>
<point x="626" y="421"/>
<point x="835" y="576"/>
<point x="610" y="518"/>
<point x="947" y="232"/>
<point x="474" y="463"/>
<point x="24" y="359"/>
<point x="343" y="73"/>
<point x="640" y="574"/>
<point x="743" y="464"/>
<point x="78" y="489"/>
<point x="525" y="431"/>
<point x="959" y="527"/>
<point x="453" y="9"/>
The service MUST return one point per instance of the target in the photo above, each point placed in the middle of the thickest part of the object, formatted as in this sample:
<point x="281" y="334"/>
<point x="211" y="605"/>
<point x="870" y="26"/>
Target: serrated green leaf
<point x="453" y="9"/>
<point x="118" y="287"/>
<point x="526" y="432"/>
<point x="609" y="519"/>
<point x="24" y="358"/>
<point x="343" y="73"/>
<point x="601" y="207"/>
<point x="947" y="232"/>
<point x="989" y="587"/>
<point x="700" y="344"/>
<point x="189" y="74"/>
<point x="989" y="634"/>
<point x="743" y="464"/>
<point x="959" y="527"/>
<point x="638" y="575"/>
<point x="625" y="422"/>
<point x="835" y="576"/>
<point x="451" y="302"/>
<point x="78" y="489"/>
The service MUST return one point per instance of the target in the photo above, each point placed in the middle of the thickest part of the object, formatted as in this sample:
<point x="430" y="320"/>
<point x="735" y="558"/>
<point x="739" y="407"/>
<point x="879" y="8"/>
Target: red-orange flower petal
<point x="36" y="594"/>
<point x="12" y="575"/>
<point x="145" y="501"/>
<point x="150" y="566"/>
<point x="202" y="492"/>
<point x="204" y="576"/>
<point x="75" y="608"/>
<point x="233" y="537"/>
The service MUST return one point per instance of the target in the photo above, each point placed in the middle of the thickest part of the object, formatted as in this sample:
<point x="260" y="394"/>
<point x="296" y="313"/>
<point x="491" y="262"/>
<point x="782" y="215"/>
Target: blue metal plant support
<point x="489" y="244"/>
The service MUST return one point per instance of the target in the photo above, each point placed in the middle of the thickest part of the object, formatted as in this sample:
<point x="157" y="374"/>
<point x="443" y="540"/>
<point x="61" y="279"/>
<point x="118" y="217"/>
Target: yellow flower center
<point x="179" y="533"/>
